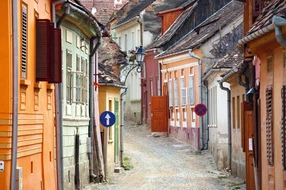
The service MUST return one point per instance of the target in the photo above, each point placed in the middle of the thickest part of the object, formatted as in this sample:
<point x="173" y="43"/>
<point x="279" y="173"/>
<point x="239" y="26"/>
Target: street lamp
<point x="124" y="72"/>
<point x="140" y="54"/>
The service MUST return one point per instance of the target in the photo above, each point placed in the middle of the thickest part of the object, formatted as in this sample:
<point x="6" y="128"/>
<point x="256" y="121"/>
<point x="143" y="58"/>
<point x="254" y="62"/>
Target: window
<point x="183" y="92"/>
<point x="238" y="111"/>
<point x="191" y="91"/>
<point x="119" y="41"/>
<point x="269" y="65"/>
<point x="170" y="92"/>
<point x="133" y="40"/>
<point x="125" y="43"/>
<point x="81" y="80"/>
<point x="78" y="82"/>
<point x="84" y="70"/>
<point x="176" y="92"/>
<point x="233" y="112"/>
<point x="69" y="77"/>
<point x="284" y="62"/>
<point x="151" y="88"/>
<point x="24" y="42"/>
<point x="158" y="86"/>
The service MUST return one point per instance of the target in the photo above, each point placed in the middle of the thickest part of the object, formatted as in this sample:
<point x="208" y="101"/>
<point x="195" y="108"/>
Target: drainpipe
<point x="59" y="117"/>
<point x="76" y="160"/>
<point x="93" y="50"/>
<point x="141" y="44"/>
<point x="206" y="146"/>
<point x="228" y="121"/>
<point x="15" y="96"/>
<point x="201" y="97"/>
<point x="122" y="126"/>
<point x="279" y="22"/>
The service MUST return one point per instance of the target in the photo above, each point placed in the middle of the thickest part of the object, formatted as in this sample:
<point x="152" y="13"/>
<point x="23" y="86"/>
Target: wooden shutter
<point x="24" y="43"/>
<point x="48" y="55"/>
<point x="269" y="127"/>
<point x="56" y="67"/>
<point x="283" y="126"/>
<point x="43" y="45"/>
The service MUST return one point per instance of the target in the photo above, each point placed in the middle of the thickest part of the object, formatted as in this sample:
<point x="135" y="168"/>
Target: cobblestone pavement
<point x="163" y="163"/>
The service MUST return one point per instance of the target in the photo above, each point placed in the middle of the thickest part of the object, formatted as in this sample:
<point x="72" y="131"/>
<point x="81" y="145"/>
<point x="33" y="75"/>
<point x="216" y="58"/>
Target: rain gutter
<point x="229" y="115"/>
<point x="14" y="150"/>
<point x="279" y="22"/>
<point x="59" y="117"/>
<point x="201" y="85"/>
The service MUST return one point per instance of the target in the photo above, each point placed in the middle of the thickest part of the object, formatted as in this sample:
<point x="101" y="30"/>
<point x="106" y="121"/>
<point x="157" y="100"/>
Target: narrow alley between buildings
<point x="159" y="162"/>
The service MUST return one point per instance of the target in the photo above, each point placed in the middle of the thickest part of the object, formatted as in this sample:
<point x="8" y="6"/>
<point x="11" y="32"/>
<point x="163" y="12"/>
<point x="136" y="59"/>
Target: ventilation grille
<point x="283" y="126"/>
<point x="24" y="42"/>
<point x="269" y="127"/>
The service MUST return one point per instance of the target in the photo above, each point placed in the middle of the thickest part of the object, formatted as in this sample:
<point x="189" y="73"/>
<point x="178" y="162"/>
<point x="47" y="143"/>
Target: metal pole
<point x="228" y="122"/>
<point x="122" y="127"/>
<point x="15" y="95"/>
<point x="59" y="118"/>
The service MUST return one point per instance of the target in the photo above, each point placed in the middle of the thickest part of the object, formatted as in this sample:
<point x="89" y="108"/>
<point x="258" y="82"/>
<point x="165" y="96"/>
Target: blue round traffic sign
<point x="107" y="118"/>
<point x="201" y="109"/>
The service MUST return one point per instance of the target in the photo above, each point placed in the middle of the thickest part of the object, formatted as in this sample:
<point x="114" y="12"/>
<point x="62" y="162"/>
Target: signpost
<point x="107" y="119"/>
<point x="201" y="109"/>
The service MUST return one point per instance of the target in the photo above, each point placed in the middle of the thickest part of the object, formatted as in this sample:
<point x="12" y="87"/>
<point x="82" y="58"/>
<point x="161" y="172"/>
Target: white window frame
<point x="170" y="92"/>
<point x="191" y="91"/>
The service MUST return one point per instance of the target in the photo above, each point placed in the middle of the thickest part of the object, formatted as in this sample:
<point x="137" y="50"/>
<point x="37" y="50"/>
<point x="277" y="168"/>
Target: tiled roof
<point x="207" y="29"/>
<point x="174" y="27"/>
<point x="232" y="58"/>
<point x="277" y="8"/>
<point x="109" y="61"/>
<point x="135" y="10"/>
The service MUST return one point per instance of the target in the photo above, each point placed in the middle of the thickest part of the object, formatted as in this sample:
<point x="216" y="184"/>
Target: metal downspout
<point x="142" y="87"/>
<point x="91" y="105"/>
<point x="59" y="118"/>
<point x="201" y="96"/>
<point x="15" y="95"/>
<point x="228" y="122"/>
<point x="122" y="127"/>
<point x="206" y="146"/>
<point x="279" y="22"/>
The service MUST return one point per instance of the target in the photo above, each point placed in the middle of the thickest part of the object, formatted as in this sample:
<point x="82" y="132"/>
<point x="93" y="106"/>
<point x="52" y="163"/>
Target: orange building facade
<point x="180" y="77"/>
<point x="36" y="102"/>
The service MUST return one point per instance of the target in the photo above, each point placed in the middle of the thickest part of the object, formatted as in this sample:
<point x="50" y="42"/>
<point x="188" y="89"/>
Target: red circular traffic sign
<point x="201" y="109"/>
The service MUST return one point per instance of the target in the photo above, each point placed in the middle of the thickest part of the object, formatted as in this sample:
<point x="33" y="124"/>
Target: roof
<point x="277" y="8"/>
<point x="174" y="27"/>
<point x="109" y="61"/>
<point x="134" y="10"/>
<point x="195" y="38"/>
<point x="232" y="58"/>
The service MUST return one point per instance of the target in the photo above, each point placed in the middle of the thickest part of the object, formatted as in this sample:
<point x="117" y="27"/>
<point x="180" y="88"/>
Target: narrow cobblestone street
<point x="164" y="163"/>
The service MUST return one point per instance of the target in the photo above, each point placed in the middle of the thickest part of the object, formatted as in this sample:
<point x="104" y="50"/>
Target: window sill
<point x="38" y="85"/>
<point x="50" y="86"/>
<point x="25" y="82"/>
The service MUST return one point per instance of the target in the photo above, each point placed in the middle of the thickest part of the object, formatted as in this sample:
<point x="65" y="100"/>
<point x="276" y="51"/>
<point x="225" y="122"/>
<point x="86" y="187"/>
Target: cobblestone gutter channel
<point x="162" y="163"/>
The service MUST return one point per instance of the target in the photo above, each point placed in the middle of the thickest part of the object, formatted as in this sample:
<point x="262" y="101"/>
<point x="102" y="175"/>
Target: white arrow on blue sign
<point x="107" y="118"/>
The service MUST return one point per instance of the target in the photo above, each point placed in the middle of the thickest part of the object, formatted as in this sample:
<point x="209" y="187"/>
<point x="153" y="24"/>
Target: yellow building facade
<point x="109" y="100"/>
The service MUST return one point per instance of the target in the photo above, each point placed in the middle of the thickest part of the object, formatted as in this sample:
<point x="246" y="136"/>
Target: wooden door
<point x="247" y="134"/>
<point x="159" y="114"/>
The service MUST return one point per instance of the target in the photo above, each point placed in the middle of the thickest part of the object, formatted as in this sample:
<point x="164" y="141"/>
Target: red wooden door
<point x="247" y="143"/>
<point x="159" y="114"/>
